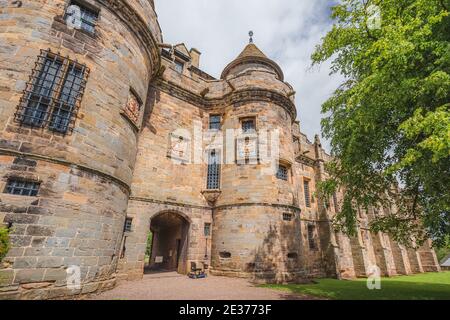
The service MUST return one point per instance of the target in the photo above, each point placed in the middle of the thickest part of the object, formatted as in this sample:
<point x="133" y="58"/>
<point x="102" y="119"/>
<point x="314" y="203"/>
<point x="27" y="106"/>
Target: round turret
<point x="73" y="96"/>
<point x="257" y="190"/>
<point x="251" y="58"/>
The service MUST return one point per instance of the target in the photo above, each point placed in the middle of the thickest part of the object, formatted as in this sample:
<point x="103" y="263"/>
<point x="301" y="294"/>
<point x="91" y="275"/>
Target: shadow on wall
<point x="278" y="259"/>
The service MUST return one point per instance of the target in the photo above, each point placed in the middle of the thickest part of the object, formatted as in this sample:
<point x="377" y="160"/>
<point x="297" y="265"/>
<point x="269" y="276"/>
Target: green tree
<point x="4" y="242"/>
<point x="389" y="122"/>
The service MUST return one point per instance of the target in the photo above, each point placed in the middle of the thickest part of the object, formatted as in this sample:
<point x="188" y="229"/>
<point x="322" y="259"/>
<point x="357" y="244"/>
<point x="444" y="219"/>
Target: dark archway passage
<point x="170" y="242"/>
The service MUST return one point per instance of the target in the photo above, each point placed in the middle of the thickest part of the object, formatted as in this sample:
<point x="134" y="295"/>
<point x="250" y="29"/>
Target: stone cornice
<point x="133" y="20"/>
<point x="15" y="153"/>
<point x="170" y="203"/>
<point x="258" y="204"/>
<point x="247" y="60"/>
<point x="221" y="207"/>
<point x="235" y="97"/>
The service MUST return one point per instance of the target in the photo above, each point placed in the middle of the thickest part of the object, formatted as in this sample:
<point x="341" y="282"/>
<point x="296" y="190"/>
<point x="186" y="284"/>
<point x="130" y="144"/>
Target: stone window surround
<point x="288" y="165"/>
<point x="179" y="64"/>
<point x="128" y="224"/>
<point x="248" y="118"/>
<point x="207" y="229"/>
<point x="55" y="92"/>
<point x="220" y="121"/>
<point x="220" y="154"/>
<point x="307" y="195"/>
<point x="12" y="180"/>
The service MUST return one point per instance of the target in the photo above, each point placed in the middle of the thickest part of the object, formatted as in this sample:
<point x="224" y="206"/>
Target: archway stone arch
<point x="134" y="243"/>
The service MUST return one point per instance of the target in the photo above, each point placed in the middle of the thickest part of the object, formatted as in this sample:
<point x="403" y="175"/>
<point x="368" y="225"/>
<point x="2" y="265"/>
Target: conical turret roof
<point x="252" y="54"/>
<point x="251" y="50"/>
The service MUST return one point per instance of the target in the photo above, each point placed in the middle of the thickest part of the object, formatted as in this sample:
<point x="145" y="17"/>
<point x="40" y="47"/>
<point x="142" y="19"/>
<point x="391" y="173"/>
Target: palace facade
<point x="108" y="134"/>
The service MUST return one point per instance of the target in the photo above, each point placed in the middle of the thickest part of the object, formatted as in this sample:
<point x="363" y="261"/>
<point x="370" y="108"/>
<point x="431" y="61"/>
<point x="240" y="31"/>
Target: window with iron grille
<point x="311" y="240"/>
<point x="213" y="176"/>
<point x="87" y="17"/>
<point x="287" y="216"/>
<point x="335" y="202"/>
<point x="53" y="94"/>
<point x="22" y="187"/>
<point x="214" y="122"/>
<point x="282" y="172"/>
<point x="307" y="194"/>
<point x="248" y="125"/>
<point x="207" y="229"/>
<point x="128" y="224"/>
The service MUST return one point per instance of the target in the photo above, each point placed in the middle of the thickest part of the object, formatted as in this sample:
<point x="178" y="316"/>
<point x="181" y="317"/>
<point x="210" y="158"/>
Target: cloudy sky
<point x="285" y="30"/>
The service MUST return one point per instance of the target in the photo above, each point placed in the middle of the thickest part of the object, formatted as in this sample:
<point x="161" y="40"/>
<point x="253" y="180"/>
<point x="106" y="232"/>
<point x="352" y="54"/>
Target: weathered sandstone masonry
<point x="85" y="176"/>
<point x="150" y="142"/>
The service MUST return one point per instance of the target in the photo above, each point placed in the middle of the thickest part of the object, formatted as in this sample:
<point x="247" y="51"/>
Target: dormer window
<point x="179" y="66"/>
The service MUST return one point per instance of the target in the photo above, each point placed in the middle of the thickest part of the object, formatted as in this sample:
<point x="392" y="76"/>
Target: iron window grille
<point x="282" y="172"/>
<point x="307" y="193"/>
<point x="52" y="95"/>
<point x="214" y="122"/>
<point x="287" y="216"/>
<point x="248" y="125"/>
<point x="88" y="17"/>
<point x="128" y="224"/>
<point x="22" y="187"/>
<point x="311" y="241"/>
<point x="213" y="175"/>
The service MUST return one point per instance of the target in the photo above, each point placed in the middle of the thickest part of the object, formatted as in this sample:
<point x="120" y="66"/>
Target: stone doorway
<point x="169" y="244"/>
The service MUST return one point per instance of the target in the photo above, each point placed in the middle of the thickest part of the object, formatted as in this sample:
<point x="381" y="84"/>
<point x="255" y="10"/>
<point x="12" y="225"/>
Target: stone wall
<point x="131" y="266"/>
<point x="66" y="225"/>
<point x="85" y="175"/>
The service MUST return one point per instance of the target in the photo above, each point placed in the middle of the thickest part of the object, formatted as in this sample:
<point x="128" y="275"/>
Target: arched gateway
<point x="170" y="231"/>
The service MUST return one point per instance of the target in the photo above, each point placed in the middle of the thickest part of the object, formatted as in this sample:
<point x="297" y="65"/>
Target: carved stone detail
<point x="211" y="196"/>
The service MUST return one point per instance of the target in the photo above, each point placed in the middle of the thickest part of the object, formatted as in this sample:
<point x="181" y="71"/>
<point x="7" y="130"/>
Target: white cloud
<point x="286" y="31"/>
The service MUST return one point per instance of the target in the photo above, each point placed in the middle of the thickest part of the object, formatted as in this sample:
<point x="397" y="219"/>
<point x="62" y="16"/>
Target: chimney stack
<point x="195" y="57"/>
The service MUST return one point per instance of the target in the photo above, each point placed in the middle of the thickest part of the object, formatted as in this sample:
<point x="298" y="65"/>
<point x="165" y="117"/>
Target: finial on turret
<point x="317" y="139"/>
<point x="251" y="36"/>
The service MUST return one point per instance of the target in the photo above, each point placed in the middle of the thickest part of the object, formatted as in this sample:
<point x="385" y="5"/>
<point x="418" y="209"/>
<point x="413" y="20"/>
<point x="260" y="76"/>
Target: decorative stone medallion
<point x="133" y="108"/>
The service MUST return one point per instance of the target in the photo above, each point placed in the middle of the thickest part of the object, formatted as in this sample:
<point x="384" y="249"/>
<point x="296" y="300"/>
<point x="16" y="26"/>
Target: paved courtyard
<point x="173" y="286"/>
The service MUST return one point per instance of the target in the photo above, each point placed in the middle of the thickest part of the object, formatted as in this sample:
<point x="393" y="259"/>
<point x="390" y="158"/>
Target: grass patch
<point x="425" y="286"/>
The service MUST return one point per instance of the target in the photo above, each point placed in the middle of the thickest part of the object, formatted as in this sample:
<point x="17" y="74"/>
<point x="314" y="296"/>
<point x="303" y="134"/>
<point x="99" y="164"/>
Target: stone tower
<point x="250" y="235"/>
<point x="71" y="104"/>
